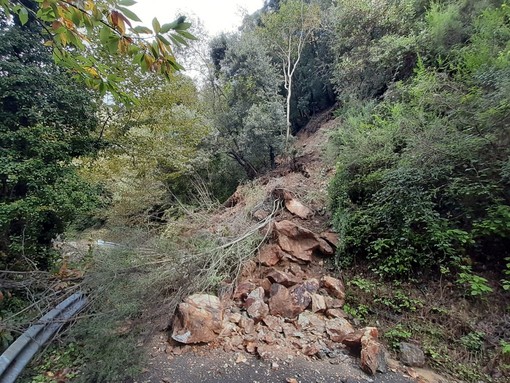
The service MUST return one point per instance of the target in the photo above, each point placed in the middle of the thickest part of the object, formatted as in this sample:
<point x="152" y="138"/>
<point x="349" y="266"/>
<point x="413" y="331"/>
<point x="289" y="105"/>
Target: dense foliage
<point x="422" y="176"/>
<point x="46" y="120"/>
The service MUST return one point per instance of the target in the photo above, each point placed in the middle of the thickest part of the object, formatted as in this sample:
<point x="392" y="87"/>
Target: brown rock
<point x="251" y="347"/>
<point x="299" y="242"/>
<point x="266" y="285"/>
<point x="338" y="329"/>
<point x="235" y="317"/>
<point x="243" y="289"/>
<point x="333" y="303"/>
<point x="353" y="340"/>
<point x="334" y="286"/>
<point x="255" y="305"/>
<point x="301" y="298"/>
<point x="330" y="237"/>
<point x="273" y="323"/>
<point x="287" y="280"/>
<point x="373" y="356"/>
<point x="288" y="303"/>
<point x="335" y="313"/>
<point x="247" y="324"/>
<point x="296" y="270"/>
<point x="311" y="349"/>
<point x="270" y="255"/>
<point x="199" y="319"/>
<point x="296" y="207"/>
<point x="311" y="285"/>
<point x="318" y="303"/>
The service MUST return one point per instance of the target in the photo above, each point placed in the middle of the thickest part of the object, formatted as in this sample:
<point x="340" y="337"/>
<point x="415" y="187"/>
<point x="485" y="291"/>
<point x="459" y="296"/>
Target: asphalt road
<point x="220" y="367"/>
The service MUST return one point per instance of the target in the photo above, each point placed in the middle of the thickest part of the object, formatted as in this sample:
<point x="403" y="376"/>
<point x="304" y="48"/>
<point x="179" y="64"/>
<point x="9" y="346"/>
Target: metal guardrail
<point x="17" y="356"/>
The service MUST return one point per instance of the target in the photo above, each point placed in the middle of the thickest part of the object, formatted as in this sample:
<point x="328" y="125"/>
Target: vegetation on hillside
<point x="98" y="129"/>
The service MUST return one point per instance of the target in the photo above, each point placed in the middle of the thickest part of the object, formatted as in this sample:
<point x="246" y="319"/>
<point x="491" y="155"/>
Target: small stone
<point x="255" y="305"/>
<point x="241" y="358"/>
<point x="273" y="323"/>
<point x="247" y="324"/>
<point x="243" y="289"/>
<point x="335" y="313"/>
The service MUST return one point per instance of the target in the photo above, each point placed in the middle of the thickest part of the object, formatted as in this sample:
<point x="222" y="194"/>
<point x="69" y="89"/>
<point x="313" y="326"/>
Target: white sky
<point x="216" y="15"/>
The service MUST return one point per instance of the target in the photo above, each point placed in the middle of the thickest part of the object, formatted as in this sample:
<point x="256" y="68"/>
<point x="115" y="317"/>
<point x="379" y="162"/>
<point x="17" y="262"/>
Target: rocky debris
<point x="284" y="304"/>
<point x="280" y="302"/>
<point x="300" y="243"/>
<point x="199" y="319"/>
<point x="334" y="286"/>
<point x="411" y="355"/>
<point x="255" y="305"/>
<point x="270" y="255"/>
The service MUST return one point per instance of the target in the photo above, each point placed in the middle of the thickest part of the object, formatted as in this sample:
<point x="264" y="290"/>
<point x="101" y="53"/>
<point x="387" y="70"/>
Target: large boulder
<point x="199" y="319"/>
<point x="411" y="355"/>
<point x="373" y="355"/>
<point x="300" y="243"/>
<point x="289" y="303"/>
<point x="338" y="329"/>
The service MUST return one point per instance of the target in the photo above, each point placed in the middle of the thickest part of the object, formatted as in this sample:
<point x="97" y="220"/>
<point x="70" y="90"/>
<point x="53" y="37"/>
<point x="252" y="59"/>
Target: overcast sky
<point x="216" y="15"/>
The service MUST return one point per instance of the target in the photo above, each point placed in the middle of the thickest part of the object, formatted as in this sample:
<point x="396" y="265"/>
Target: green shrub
<point x="422" y="177"/>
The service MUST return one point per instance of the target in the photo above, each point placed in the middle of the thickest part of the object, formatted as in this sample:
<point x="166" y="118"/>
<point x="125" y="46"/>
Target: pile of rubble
<point x="283" y="304"/>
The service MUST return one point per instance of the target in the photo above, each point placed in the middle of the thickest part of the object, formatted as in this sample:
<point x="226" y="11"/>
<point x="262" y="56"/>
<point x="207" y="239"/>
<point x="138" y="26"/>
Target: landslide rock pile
<point x="284" y="304"/>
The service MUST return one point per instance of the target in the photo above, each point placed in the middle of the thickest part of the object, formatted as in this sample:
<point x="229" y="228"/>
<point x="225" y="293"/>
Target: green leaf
<point x="165" y="28"/>
<point x="163" y="39"/>
<point x="178" y="39"/>
<point x="23" y="15"/>
<point x="187" y="35"/>
<point x="113" y="45"/>
<point x="156" y="25"/>
<point x="104" y="34"/>
<point x="127" y="3"/>
<point x="183" y="26"/>
<point x="141" y="29"/>
<point x="129" y="14"/>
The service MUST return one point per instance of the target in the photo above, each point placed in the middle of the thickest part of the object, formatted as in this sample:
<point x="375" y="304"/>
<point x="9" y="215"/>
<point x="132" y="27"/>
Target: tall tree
<point x="249" y="116"/>
<point x="286" y="32"/>
<point x="46" y="120"/>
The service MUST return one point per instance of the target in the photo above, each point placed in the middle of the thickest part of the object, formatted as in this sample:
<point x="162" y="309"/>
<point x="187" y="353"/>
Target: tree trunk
<point x="250" y="171"/>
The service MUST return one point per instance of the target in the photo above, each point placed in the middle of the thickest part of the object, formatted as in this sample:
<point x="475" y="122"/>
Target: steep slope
<point x="282" y="317"/>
